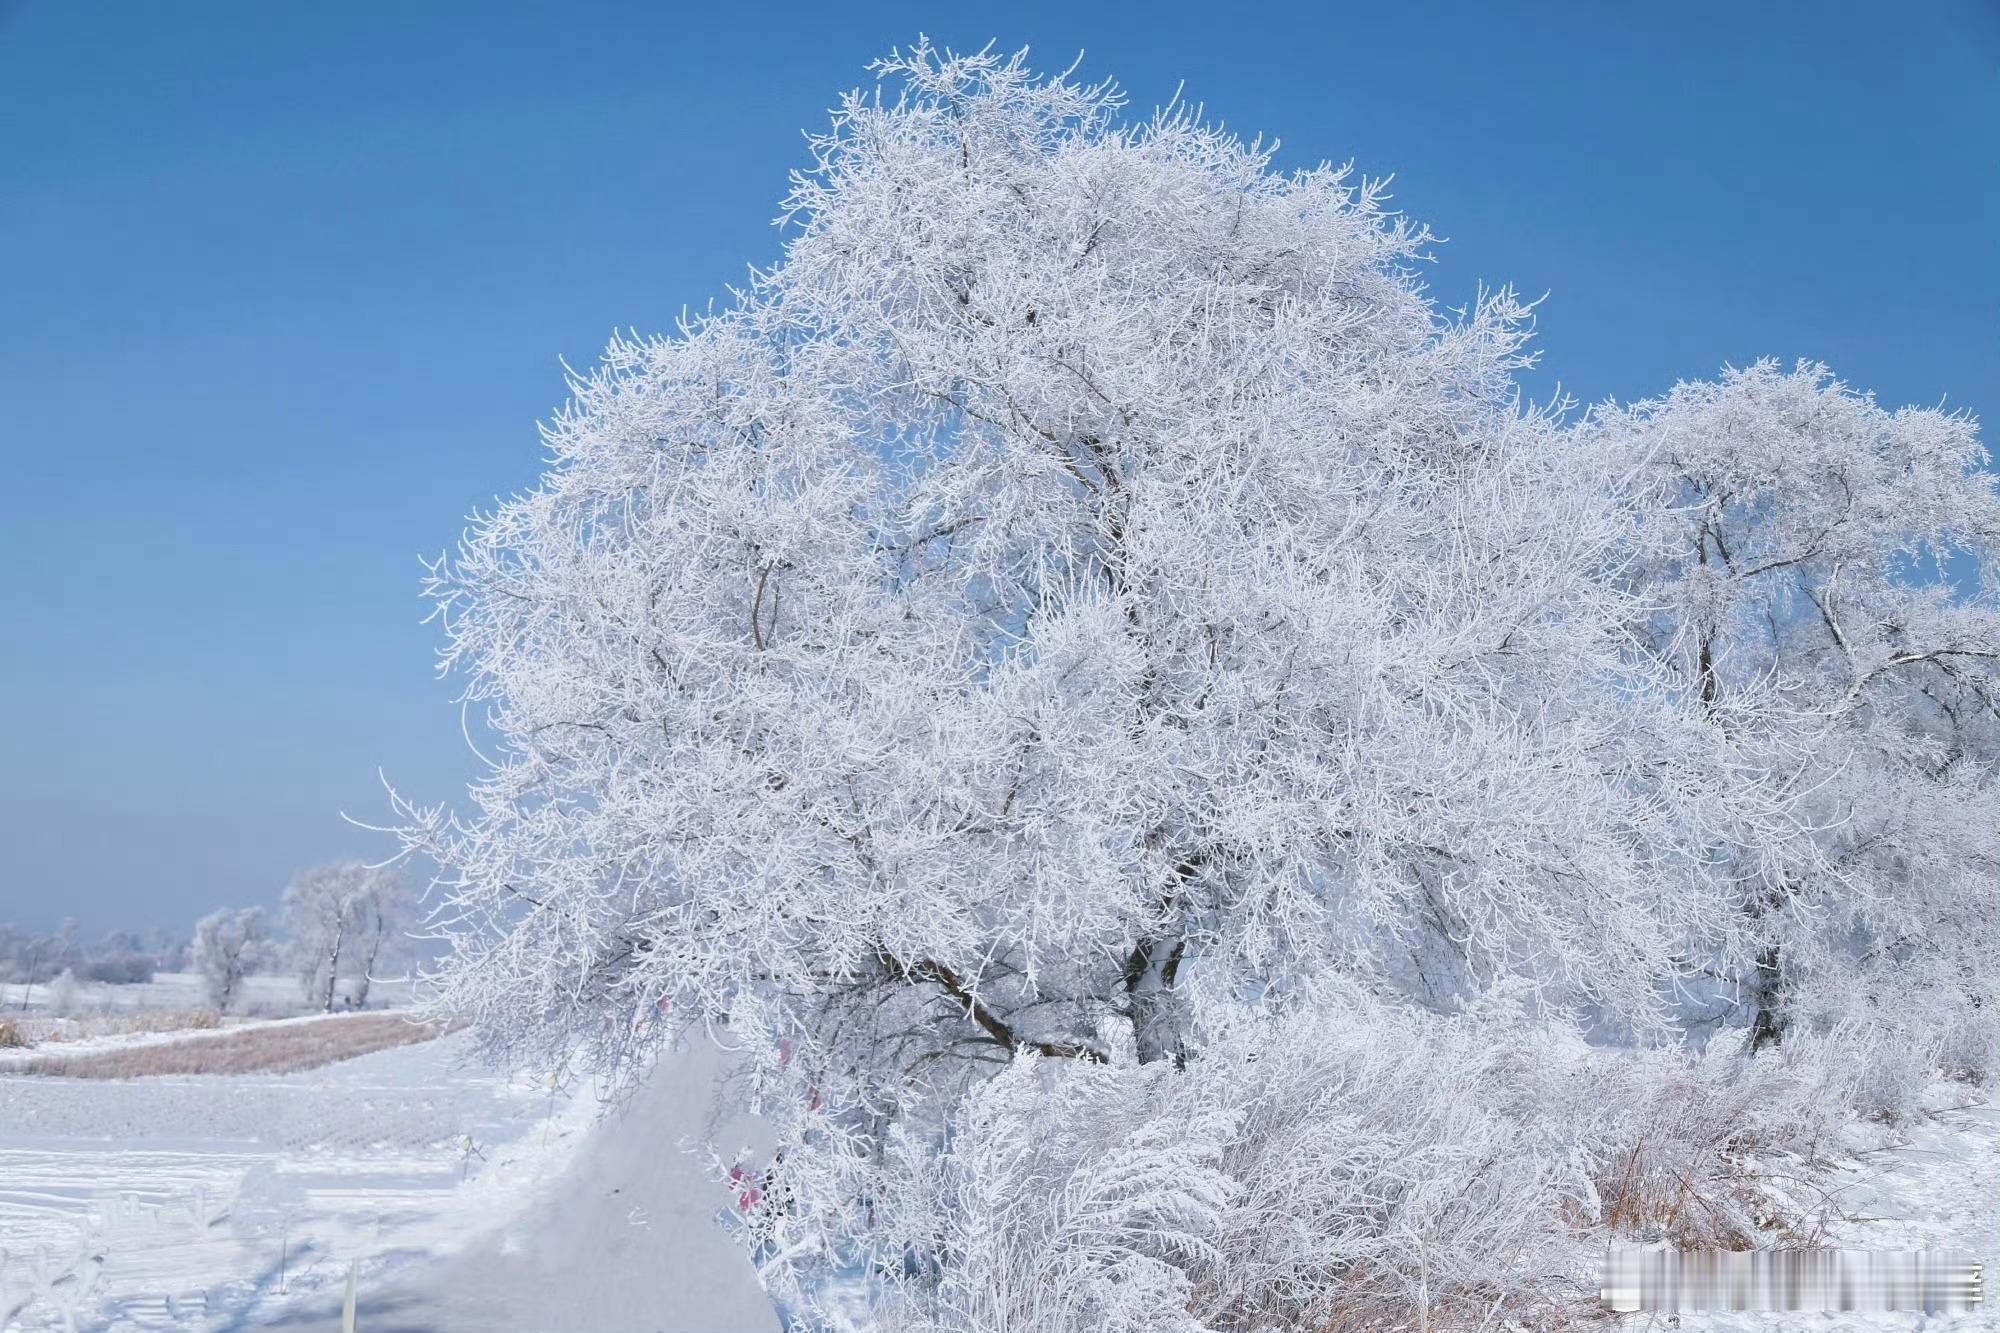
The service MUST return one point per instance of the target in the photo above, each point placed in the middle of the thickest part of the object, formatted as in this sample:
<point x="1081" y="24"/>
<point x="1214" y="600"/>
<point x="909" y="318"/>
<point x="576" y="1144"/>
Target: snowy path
<point x="1936" y="1188"/>
<point x="625" y="1241"/>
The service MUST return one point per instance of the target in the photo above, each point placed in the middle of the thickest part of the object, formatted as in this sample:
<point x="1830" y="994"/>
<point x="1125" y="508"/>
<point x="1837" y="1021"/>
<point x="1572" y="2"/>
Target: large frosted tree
<point x="1081" y="625"/>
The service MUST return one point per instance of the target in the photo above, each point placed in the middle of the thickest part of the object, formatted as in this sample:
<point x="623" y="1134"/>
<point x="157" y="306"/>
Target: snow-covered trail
<point x="624" y="1241"/>
<point x="1936" y="1185"/>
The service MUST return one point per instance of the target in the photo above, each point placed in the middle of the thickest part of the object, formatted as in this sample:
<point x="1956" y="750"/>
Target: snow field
<point x="145" y="1201"/>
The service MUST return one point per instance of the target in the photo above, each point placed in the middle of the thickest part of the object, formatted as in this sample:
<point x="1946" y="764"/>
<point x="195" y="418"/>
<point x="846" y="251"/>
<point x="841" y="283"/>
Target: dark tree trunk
<point x="1150" y="973"/>
<point x="372" y="949"/>
<point x="34" y="963"/>
<point x="1768" y="1028"/>
<point x="333" y="966"/>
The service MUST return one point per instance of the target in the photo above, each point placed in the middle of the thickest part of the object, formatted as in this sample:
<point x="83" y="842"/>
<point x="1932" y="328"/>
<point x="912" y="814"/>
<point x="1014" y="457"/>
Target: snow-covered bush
<point x="64" y="993"/>
<point x="1083" y="1196"/>
<point x="1968" y="1044"/>
<point x="1891" y="1071"/>
<point x="1317" y="1175"/>
<point x="1109" y="695"/>
<point x="1686" y="1148"/>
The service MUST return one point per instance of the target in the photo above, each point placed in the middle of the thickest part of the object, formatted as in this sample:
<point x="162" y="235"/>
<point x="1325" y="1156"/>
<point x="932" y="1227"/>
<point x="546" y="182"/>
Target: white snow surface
<point x="468" y="1201"/>
<point x="626" y="1239"/>
<point x="1934" y="1184"/>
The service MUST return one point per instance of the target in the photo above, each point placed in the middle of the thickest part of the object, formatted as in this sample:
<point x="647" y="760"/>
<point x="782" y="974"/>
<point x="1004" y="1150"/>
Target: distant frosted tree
<point x="339" y="918"/>
<point x="384" y="912"/>
<point x="65" y="992"/>
<point x="318" y="911"/>
<point x="229" y="944"/>
<point x="118" y="943"/>
<point x="121" y="958"/>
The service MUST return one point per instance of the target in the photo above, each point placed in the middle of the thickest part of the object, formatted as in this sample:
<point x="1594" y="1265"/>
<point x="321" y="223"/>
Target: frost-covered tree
<point x="384" y="911"/>
<point x="1832" y="570"/>
<point x="339" y="918"/>
<point x="1082" y="630"/>
<point x="229" y="944"/>
<point x="317" y="910"/>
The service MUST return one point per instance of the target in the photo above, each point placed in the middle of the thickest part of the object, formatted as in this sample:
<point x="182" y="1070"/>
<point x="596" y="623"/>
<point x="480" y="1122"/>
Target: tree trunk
<point x="333" y="964"/>
<point x="27" y="992"/>
<point x="366" y="975"/>
<point x="1150" y="973"/>
<point x="1768" y="1028"/>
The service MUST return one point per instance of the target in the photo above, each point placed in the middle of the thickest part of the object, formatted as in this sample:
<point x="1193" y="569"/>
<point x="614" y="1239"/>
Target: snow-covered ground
<point x="193" y="1201"/>
<point x="221" y="1203"/>
<point x="1933" y="1185"/>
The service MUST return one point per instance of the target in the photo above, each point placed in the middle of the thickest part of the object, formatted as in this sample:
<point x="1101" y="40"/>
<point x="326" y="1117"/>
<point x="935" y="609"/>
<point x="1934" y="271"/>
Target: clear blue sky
<point x="283" y="289"/>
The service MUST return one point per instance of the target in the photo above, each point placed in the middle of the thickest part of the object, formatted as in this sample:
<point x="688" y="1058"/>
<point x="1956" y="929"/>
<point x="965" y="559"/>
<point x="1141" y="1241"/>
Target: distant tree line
<point x="337" y="928"/>
<point x="120" y="958"/>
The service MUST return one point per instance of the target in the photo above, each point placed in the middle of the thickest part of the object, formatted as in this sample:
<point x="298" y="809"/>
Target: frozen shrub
<point x="1896" y="1026"/>
<point x="1087" y="1198"/>
<point x="1382" y="1184"/>
<point x="64" y="993"/>
<point x="1347" y="1166"/>
<point x="1674" y="1158"/>
<point x="1888" y="1066"/>
<point x="1969" y="1044"/>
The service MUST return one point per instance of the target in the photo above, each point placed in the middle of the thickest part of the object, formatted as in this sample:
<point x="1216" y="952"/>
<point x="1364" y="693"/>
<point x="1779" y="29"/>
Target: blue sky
<point x="283" y="290"/>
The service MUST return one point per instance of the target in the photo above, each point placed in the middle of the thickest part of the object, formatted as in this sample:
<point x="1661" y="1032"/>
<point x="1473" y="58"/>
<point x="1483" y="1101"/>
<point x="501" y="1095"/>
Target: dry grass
<point x="48" y="1028"/>
<point x="275" y="1049"/>
<point x="11" y="1035"/>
